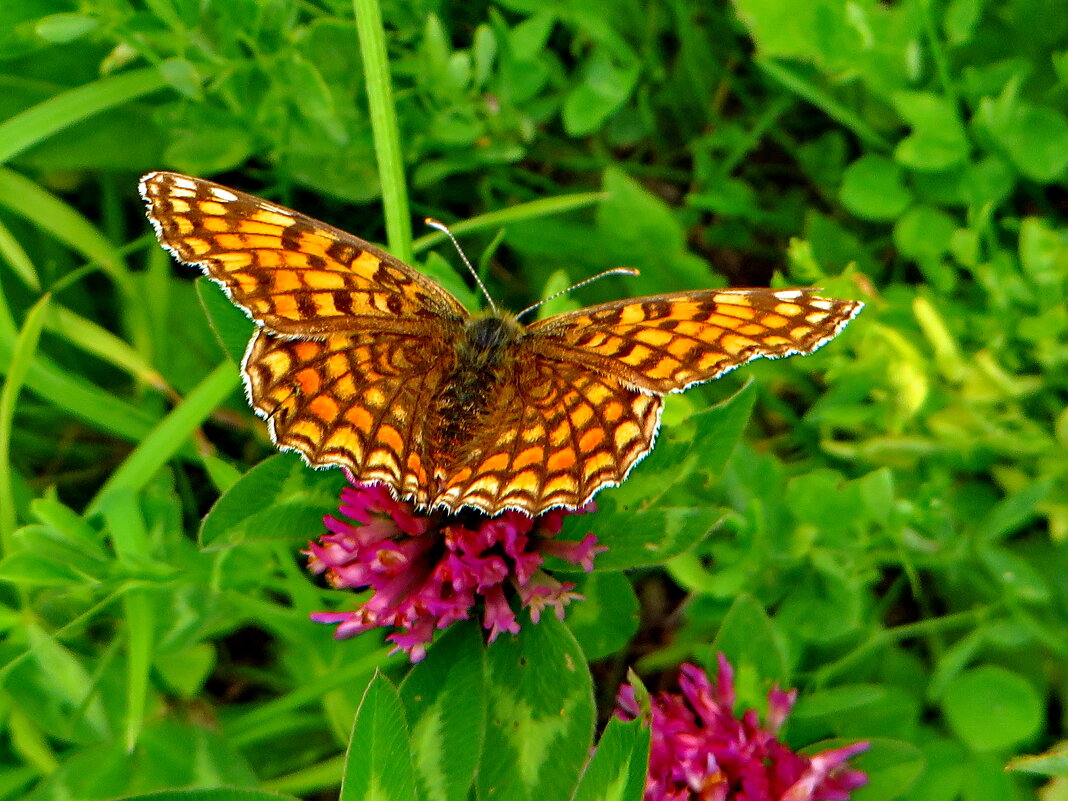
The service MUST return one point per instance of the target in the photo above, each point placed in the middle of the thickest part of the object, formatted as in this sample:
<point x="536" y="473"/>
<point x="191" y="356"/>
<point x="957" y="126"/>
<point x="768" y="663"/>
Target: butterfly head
<point x="487" y="338"/>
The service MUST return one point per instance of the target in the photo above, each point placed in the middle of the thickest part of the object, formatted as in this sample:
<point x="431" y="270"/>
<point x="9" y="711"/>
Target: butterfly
<point x="361" y="361"/>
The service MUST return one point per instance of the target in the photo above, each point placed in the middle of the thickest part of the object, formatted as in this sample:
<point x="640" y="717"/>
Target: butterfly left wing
<point x="359" y="401"/>
<point x="294" y="274"/>
<point x="665" y="343"/>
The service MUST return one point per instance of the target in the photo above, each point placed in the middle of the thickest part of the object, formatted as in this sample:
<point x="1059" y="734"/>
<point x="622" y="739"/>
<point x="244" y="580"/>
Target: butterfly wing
<point x="294" y="274"/>
<point x="666" y="343"/>
<point x="582" y="405"/>
<point x="357" y="400"/>
<point x="557" y="432"/>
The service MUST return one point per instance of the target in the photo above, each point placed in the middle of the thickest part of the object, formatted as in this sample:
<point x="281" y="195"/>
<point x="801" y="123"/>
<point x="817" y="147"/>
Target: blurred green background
<point x="888" y="535"/>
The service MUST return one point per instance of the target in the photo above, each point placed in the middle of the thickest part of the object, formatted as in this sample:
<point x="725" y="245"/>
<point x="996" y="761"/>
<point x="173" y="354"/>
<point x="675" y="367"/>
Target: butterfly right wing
<point x="292" y="273"/>
<point x="666" y="343"/>
<point x="582" y="404"/>
<point x="356" y="400"/>
<point x="555" y="432"/>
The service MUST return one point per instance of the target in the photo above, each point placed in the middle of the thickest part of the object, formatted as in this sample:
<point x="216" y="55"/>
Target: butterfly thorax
<point x="482" y="355"/>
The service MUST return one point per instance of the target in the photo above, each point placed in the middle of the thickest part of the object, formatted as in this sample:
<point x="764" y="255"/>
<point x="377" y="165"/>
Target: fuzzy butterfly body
<point x="361" y="361"/>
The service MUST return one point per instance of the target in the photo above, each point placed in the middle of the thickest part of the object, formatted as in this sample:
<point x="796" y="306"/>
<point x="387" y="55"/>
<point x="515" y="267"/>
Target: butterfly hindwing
<point x="556" y="433"/>
<point x="357" y="400"/>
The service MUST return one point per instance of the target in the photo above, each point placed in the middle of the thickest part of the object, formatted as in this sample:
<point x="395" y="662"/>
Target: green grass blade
<point x="384" y="126"/>
<point x="140" y="625"/>
<point x="822" y="100"/>
<point x="167" y="438"/>
<point x="533" y="210"/>
<point x="21" y="265"/>
<point x="99" y="409"/>
<point x="32" y="202"/>
<point x="22" y="354"/>
<point x="41" y="121"/>
<point x="100" y="342"/>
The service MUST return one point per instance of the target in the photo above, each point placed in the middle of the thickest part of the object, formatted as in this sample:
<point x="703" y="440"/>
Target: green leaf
<point x="1014" y="512"/>
<point x="30" y="569"/>
<point x="924" y="232"/>
<point x="69" y="526"/>
<point x="445" y="700"/>
<point x="140" y="619"/>
<point x="174" y="753"/>
<point x="605" y="87"/>
<point x="213" y="794"/>
<point x="641" y="231"/>
<point x="606" y="620"/>
<point x="541" y="715"/>
<point x="991" y="708"/>
<point x="205" y="151"/>
<point x="313" y="98"/>
<point x="943" y="771"/>
<point x="231" y="326"/>
<point x="892" y="766"/>
<point x="701" y="443"/>
<point x="378" y="763"/>
<point x="183" y="76"/>
<point x="938" y="140"/>
<point x="1044" y="253"/>
<point x="960" y="20"/>
<point x="184" y="672"/>
<point x="63" y="28"/>
<point x="873" y="188"/>
<point x="280" y="499"/>
<point x="1053" y="762"/>
<point x="646" y="537"/>
<point x="750" y="643"/>
<point x="69" y="684"/>
<point x="618" y="766"/>
<point x="1034" y="138"/>
<point x="1016" y="575"/>
<point x="18" y="260"/>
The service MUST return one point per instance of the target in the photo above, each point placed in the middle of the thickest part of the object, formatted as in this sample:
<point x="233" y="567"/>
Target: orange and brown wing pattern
<point x="666" y="343"/>
<point x="294" y="274"/>
<point x="359" y="400"/>
<point x="556" y="433"/>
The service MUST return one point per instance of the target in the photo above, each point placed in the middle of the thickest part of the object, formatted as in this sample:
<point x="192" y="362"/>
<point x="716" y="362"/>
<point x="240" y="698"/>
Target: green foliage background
<point x="888" y="535"/>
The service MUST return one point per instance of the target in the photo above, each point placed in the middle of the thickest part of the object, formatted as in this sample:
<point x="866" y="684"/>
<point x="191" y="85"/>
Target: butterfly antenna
<point x="590" y="280"/>
<point x="445" y="229"/>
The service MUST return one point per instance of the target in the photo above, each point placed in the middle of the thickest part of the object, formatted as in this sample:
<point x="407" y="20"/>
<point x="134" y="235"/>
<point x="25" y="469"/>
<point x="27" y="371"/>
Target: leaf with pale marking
<point x="378" y="764"/>
<point x="444" y="697"/>
<point x="541" y="715"/>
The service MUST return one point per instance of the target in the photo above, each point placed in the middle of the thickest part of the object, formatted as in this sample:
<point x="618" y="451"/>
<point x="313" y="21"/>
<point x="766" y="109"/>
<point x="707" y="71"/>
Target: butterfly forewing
<point x="296" y="275"/>
<point x="363" y="362"/>
<point x="665" y="343"/>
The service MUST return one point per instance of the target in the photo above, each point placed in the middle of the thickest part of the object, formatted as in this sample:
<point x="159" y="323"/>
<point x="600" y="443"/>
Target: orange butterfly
<point x="361" y="361"/>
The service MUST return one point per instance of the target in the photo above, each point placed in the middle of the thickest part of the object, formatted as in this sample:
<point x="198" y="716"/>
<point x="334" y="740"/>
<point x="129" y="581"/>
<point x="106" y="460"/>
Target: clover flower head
<point x="702" y="751"/>
<point x="426" y="571"/>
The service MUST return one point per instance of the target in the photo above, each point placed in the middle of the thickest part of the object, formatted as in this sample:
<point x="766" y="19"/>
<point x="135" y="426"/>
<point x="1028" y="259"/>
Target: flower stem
<point x="384" y="126"/>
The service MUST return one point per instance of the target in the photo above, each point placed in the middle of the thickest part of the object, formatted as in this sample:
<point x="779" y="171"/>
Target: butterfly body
<point x="361" y="361"/>
<point x="484" y="355"/>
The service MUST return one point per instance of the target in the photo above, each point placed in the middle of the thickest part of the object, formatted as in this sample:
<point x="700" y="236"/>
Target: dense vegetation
<point x="881" y="525"/>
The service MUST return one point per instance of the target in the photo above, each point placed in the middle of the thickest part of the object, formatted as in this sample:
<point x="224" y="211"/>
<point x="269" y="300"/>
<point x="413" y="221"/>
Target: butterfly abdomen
<point x="482" y="353"/>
